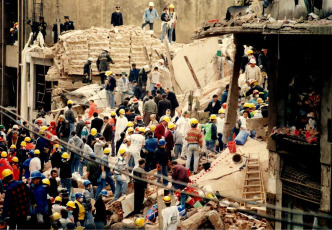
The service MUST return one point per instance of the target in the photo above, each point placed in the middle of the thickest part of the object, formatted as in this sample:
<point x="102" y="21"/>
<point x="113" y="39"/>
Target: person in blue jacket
<point x="134" y="73"/>
<point x="151" y="144"/>
<point x="26" y="164"/>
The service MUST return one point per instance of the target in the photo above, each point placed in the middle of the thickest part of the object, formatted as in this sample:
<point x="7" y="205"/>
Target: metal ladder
<point x="253" y="189"/>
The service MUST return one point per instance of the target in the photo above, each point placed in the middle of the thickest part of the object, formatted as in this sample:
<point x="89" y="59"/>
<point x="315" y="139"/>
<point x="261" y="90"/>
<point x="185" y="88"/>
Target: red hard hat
<point x="224" y="105"/>
<point x="139" y="118"/>
<point x="52" y="123"/>
<point x="135" y="100"/>
<point x="87" y="122"/>
<point x="158" y="84"/>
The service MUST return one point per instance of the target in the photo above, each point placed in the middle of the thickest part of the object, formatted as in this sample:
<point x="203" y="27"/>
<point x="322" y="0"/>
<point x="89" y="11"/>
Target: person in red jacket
<point x="16" y="169"/>
<point x="93" y="108"/>
<point x="169" y="139"/>
<point x="4" y="164"/>
<point x="30" y="145"/>
<point x="160" y="130"/>
<point x="11" y="153"/>
<point x="51" y="131"/>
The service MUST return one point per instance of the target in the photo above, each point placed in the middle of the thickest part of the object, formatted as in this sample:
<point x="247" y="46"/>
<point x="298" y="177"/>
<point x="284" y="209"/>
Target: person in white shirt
<point x="220" y="128"/>
<point x="183" y="125"/>
<point x="243" y="120"/>
<point x="170" y="215"/>
<point x="121" y="124"/>
<point x="253" y="72"/>
<point x="137" y="143"/>
<point x="35" y="163"/>
<point x="123" y="86"/>
<point x="99" y="147"/>
<point x="155" y="78"/>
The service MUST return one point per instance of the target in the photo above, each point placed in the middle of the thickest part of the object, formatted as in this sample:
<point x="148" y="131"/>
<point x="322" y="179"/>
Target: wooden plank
<point x="192" y="72"/>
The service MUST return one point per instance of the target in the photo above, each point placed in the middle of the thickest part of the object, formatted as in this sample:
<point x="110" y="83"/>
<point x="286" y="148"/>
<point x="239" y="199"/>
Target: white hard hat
<point x="252" y="61"/>
<point x="15" y="126"/>
<point x="146" y="67"/>
<point x="151" y="4"/>
<point x="90" y="59"/>
<point x="161" y="60"/>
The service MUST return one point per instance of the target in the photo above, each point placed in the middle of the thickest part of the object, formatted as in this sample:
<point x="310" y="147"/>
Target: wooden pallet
<point x="253" y="188"/>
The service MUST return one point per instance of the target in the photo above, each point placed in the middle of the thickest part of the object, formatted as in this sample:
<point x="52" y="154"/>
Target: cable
<point x="73" y="149"/>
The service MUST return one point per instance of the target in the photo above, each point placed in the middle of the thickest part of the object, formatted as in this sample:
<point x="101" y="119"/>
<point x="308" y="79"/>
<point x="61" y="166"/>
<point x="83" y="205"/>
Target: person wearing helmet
<point x="150" y="16"/>
<point x="65" y="171"/>
<point x="43" y="144"/>
<point x="40" y="211"/>
<point x="121" y="183"/>
<point x="17" y="200"/>
<point x="151" y="144"/>
<point x="161" y="161"/>
<point x="121" y="124"/>
<point x="87" y="71"/>
<point x="46" y="184"/>
<point x="92" y="137"/>
<point x="194" y="139"/>
<point x="169" y="138"/>
<point x="255" y="96"/>
<point x="55" y="220"/>
<point x="220" y="129"/>
<point x="57" y="206"/>
<point x="105" y="175"/>
<point x="35" y="163"/>
<point x="76" y="143"/>
<point x="4" y="164"/>
<point x="70" y="206"/>
<point x="253" y="72"/>
<point x="214" y="105"/>
<point x="87" y="196"/>
<point x="164" y="24"/>
<point x="11" y="153"/>
<point x="211" y="133"/>
<point x="93" y="169"/>
<point x="137" y="143"/>
<point x="183" y="125"/>
<point x="161" y="128"/>
<point x="125" y="144"/>
<point x="25" y="166"/>
<point x="70" y="116"/>
<point x="163" y="105"/>
<point x="79" y="211"/>
<point x="22" y="153"/>
<point x="100" y="216"/>
<point x="110" y="89"/>
<point x="29" y="144"/>
<point x="170" y="215"/>
<point x="103" y="62"/>
<point x="92" y="108"/>
<point x="16" y="168"/>
<point x="160" y="90"/>
<point x="56" y="157"/>
<point x="63" y="129"/>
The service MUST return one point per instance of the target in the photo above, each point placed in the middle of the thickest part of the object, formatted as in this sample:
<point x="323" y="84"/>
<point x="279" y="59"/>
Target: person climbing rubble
<point x="87" y="71"/>
<point x="170" y="215"/>
<point x="102" y="63"/>
<point x="150" y="16"/>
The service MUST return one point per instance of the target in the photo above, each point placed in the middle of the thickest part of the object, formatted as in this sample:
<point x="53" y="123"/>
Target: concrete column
<point x="233" y="94"/>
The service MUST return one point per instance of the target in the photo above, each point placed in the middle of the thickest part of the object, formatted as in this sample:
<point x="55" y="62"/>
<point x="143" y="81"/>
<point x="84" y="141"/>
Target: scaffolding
<point x="37" y="9"/>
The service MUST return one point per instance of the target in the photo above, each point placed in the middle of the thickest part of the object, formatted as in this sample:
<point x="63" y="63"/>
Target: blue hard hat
<point x="162" y="142"/>
<point x="92" y="154"/>
<point x="78" y="195"/>
<point x="86" y="183"/>
<point x="103" y="192"/>
<point x="43" y="176"/>
<point x="31" y="153"/>
<point x="35" y="174"/>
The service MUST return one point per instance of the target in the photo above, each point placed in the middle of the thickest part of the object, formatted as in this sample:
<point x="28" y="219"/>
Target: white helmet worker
<point x="151" y="4"/>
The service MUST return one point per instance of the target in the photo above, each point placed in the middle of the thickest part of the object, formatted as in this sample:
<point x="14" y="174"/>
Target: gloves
<point x="40" y="219"/>
<point x="158" y="167"/>
<point x="78" y="224"/>
<point x="103" y="175"/>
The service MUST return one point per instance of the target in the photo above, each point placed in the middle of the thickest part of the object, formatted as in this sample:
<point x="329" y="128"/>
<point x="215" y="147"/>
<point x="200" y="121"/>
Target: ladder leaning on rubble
<point x="253" y="189"/>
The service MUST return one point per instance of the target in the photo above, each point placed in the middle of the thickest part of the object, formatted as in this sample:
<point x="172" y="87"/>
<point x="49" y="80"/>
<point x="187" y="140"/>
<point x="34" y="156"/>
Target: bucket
<point x="231" y="146"/>
<point x="237" y="158"/>
<point x="206" y="166"/>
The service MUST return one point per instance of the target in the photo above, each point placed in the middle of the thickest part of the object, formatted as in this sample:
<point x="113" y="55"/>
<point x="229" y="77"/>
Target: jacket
<point x="41" y="144"/>
<point x="159" y="132"/>
<point x="70" y="116"/>
<point x="79" y="211"/>
<point x="143" y="77"/>
<point x="53" y="188"/>
<point x="56" y="159"/>
<point x="68" y="26"/>
<point x="87" y="68"/>
<point x="210" y="131"/>
<point x="150" y="15"/>
<point x="137" y="92"/>
<point x="40" y="195"/>
<point x="63" y="128"/>
<point x="65" y="169"/>
<point x="98" y="148"/>
<point x="139" y="184"/>
<point x="157" y="99"/>
<point x="117" y="19"/>
<point x="35" y="164"/>
<point x="172" y="98"/>
<point x="178" y="137"/>
<point x="108" y="131"/>
<point x="151" y="144"/>
<point x="133" y="75"/>
<point x="111" y="84"/>
<point x="154" y="91"/>
<point x="97" y="123"/>
<point x="123" y="84"/>
<point x="93" y="108"/>
<point x="213" y="109"/>
<point x="224" y="97"/>
<point x="150" y="107"/>
<point x="103" y="62"/>
<point x="161" y="156"/>
<point x="100" y="210"/>
<point x="169" y="141"/>
<point x="79" y="127"/>
<point x="163" y="105"/>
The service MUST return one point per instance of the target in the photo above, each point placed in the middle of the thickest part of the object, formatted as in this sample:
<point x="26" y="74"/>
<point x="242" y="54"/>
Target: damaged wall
<point x="86" y="13"/>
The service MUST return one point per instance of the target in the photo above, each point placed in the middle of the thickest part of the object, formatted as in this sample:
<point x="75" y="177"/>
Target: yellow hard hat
<point x="70" y="102"/>
<point x="171" y="125"/>
<point x="141" y="129"/>
<point x="252" y="105"/>
<point x="259" y="100"/>
<point x="44" y="128"/>
<point x="210" y="195"/>
<point x="167" y="199"/>
<point x="56" y="146"/>
<point x="94" y="132"/>
<point x="6" y="172"/>
<point x="131" y="129"/>
<point x="4" y="154"/>
<point x="139" y="221"/>
<point x="107" y="151"/>
<point x="171" y="6"/>
<point x="23" y="143"/>
<point x="36" y="152"/>
<point x="193" y="121"/>
<point x="221" y="111"/>
<point x="122" y="151"/>
<point x="15" y="159"/>
<point x="58" y="198"/>
<point x="27" y="139"/>
<point x="108" y="73"/>
<point x="165" y="118"/>
<point x="130" y="124"/>
<point x="65" y="155"/>
<point x="250" y="52"/>
<point x="56" y="216"/>
<point x="246" y="105"/>
<point x="46" y="181"/>
<point x="213" y="117"/>
<point x="13" y="147"/>
<point x="122" y="111"/>
<point x="70" y="204"/>
<point x="41" y="131"/>
<point x="113" y="113"/>
<point x="153" y="128"/>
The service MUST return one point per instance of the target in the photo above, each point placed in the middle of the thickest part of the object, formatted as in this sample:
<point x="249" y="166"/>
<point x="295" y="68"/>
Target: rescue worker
<point x="100" y="217"/>
<point x="139" y="186"/>
<point x="46" y="184"/>
<point x="53" y="184"/>
<point x="220" y="129"/>
<point x="11" y="153"/>
<point x="35" y="163"/>
<point x="121" y="184"/>
<point x="211" y="132"/>
<point x="87" y="196"/>
<point x="194" y="139"/>
<point x="70" y="208"/>
<point x="170" y="215"/>
<point x="137" y="143"/>
<point x="133" y="74"/>
<point x="43" y="144"/>
<point x="4" y="164"/>
<point x="79" y="211"/>
<point x="70" y="116"/>
<point x="39" y="192"/>
<point x="150" y="15"/>
<point x="169" y="138"/>
<point x="57" y="207"/>
<point x="26" y="166"/>
<point x="179" y="173"/>
<point x="68" y="25"/>
<point x="42" y="26"/>
<point x="117" y="19"/>
<point x="17" y="200"/>
<point x="161" y="128"/>
<point x="87" y="71"/>
<point x="213" y="106"/>
<point x="151" y="144"/>
<point x="29" y="144"/>
<point x="106" y="175"/>
<point x="65" y="171"/>
<point x="16" y="169"/>
<point x="162" y="161"/>
<point x="121" y="124"/>
<point x="103" y="62"/>
<point x="112" y="123"/>
<point x="110" y="88"/>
